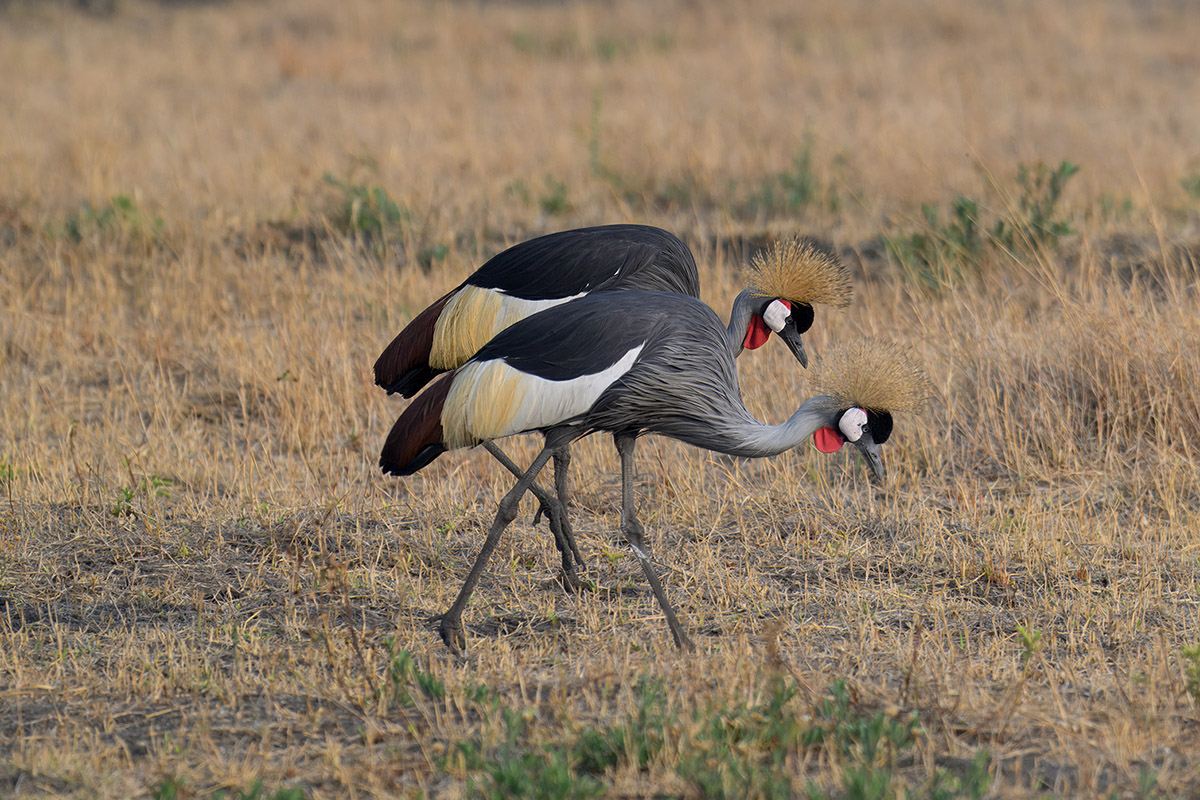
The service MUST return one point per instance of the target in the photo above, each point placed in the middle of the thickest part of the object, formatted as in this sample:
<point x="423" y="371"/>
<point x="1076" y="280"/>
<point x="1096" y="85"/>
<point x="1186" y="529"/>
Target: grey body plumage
<point x="682" y="383"/>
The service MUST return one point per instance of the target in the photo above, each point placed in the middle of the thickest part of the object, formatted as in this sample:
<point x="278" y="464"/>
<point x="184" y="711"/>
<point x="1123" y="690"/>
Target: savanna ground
<point x="214" y="215"/>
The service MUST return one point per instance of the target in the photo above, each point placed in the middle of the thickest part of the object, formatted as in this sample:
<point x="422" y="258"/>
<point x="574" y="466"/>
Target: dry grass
<point x="200" y="566"/>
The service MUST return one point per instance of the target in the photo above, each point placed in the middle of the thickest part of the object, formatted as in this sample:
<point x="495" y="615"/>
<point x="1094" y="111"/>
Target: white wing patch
<point x="540" y="305"/>
<point x="473" y="317"/>
<point x="490" y="400"/>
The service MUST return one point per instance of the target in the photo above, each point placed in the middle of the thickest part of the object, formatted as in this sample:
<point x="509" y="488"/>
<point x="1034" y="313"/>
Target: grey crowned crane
<point x="550" y="270"/>
<point x="632" y="363"/>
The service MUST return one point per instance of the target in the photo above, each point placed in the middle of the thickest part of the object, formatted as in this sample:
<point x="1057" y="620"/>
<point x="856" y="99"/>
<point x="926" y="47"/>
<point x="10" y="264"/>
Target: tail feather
<point x="412" y="381"/>
<point x="416" y="438"/>
<point x="403" y="366"/>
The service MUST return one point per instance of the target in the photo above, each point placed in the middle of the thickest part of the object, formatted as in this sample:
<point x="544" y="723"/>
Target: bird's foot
<point x="572" y="583"/>
<point x="452" y="634"/>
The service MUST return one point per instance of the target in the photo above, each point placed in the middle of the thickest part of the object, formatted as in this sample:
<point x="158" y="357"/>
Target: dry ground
<point x="206" y="584"/>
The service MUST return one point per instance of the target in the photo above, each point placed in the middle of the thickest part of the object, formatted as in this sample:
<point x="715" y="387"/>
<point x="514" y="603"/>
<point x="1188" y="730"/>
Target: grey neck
<point x="750" y="438"/>
<point x="739" y="320"/>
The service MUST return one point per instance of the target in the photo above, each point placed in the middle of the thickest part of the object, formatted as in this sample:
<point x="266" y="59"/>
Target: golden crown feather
<point x="800" y="271"/>
<point x="878" y="375"/>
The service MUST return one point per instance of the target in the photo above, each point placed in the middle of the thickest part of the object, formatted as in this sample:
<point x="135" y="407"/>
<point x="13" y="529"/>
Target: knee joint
<point x="507" y="511"/>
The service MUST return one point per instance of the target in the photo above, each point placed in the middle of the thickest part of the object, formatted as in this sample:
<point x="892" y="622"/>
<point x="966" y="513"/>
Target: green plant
<point x="1035" y="222"/>
<point x="148" y="487"/>
<point x="8" y="476"/>
<point x="1113" y="208"/>
<point x="608" y="48"/>
<point x="943" y="253"/>
<point x="159" y="487"/>
<point x="1031" y="642"/>
<point x="516" y="768"/>
<point x="431" y="254"/>
<point x="1191" y="185"/>
<point x="119" y="216"/>
<point x="740" y="752"/>
<point x="1191" y="670"/>
<point x="365" y="210"/>
<point x="256" y="792"/>
<point x="792" y="190"/>
<point x="562" y="45"/>
<point x="170" y="787"/>
<point x="403" y="675"/>
<point x="1147" y="783"/>
<point x="972" y="784"/>
<point x="516" y="188"/>
<point x="555" y="200"/>
<point x="639" y="739"/>
<point x="123" y="505"/>
<point x="870" y="748"/>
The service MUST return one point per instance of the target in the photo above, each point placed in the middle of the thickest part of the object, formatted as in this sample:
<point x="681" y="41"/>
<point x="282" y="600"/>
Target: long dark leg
<point x="636" y="536"/>
<point x="556" y="513"/>
<point x="450" y="627"/>
<point x="562" y="463"/>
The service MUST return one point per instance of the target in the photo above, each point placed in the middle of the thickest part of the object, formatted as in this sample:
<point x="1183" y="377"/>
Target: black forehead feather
<point x="802" y="316"/>
<point x="880" y="424"/>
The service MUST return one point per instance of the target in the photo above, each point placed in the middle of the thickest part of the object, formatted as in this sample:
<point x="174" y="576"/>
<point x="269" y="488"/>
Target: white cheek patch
<point x="852" y="424"/>
<point x="775" y="315"/>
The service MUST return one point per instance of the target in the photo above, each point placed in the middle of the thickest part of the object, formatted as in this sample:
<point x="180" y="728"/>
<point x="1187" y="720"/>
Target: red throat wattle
<point x="757" y="331"/>
<point x="828" y="440"/>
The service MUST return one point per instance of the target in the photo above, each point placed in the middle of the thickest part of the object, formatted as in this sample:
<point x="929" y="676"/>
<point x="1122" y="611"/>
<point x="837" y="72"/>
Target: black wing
<point x="592" y="259"/>
<point x="588" y="335"/>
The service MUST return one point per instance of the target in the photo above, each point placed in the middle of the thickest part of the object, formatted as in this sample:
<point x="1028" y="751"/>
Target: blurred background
<point x="503" y="118"/>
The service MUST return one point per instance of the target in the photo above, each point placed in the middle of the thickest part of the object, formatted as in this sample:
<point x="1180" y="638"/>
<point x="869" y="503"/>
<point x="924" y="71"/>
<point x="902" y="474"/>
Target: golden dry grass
<point x="200" y="565"/>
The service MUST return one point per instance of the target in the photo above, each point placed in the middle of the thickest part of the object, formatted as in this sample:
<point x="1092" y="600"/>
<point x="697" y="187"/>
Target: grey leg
<point x="636" y="536"/>
<point x="450" y="628"/>
<point x="562" y="463"/>
<point x="556" y="514"/>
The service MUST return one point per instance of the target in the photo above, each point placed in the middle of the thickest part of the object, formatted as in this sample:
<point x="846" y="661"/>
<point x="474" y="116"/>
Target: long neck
<point x="739" y="319"/>
<point x="750" y="438"/>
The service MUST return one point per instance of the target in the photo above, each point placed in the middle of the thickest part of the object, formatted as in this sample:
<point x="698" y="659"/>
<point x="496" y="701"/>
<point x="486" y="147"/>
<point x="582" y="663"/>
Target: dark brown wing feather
<point x="416" y="437"/>
<point x="404" y="364"/>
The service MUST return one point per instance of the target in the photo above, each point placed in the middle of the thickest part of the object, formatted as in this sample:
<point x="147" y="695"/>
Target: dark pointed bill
<point x="791" y="337"/>
<point x="870" y="453"/>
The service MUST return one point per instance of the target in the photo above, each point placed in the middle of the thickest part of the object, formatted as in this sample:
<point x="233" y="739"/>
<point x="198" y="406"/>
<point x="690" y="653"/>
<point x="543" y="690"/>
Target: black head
<point x="879" y="424"/>
<point x="865" y="429"/>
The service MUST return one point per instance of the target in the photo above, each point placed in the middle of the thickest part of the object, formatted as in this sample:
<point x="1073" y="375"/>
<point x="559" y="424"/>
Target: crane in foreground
<point x="630" y="363"/>
<point x="554" y="269"/>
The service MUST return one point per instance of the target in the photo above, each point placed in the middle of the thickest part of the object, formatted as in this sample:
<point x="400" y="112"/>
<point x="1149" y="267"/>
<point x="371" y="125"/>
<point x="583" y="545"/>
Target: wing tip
<point x="424" y="457"/>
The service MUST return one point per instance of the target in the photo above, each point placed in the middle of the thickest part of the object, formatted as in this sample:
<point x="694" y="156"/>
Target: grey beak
<point x="792" y="339"/>
<point x="870" y="453"/>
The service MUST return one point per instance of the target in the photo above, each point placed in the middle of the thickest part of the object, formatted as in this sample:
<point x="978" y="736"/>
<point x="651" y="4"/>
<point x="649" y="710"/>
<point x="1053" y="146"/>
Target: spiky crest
<point x="801" y="271"/>
<point x="877" y="375"/>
